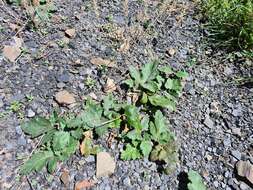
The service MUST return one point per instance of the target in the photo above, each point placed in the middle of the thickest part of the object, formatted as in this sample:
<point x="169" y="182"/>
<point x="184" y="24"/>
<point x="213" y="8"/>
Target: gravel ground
<point x="213" y="122"/>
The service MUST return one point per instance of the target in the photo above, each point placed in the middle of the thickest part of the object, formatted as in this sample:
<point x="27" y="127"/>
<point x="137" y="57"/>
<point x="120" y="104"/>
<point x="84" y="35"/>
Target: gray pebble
<point x="64" y="77"/>
<point x="21" y="141"/>
<point x="244" y="186"/>
<point x="127" y="181"/>
<point x="208" y="122"/>
<point x="18" y="130"/>
<point x="227" y="142"/>
<point x="30" y="113"/>
<point x="60" y="85"/>
<point x="236" y="154"/>
<point x="90" y="159"/>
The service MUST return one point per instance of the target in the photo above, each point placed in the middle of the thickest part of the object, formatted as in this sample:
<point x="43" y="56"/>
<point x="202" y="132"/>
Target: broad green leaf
<point x="100" y="131"/>
<point x="129" y="82"/>
<point x="145" y="123"/>
<point x="36" y="162"/>
<point x="182" y="74"/>
<point x="133" y="117"/>
<point x="70" y="149"/>
<point x="166" y="69"/>
<point x="160" y="81"/>
<point x="162" y="101"/>
<point x="135" y="74"/>
<point x="169" y="84"/>
<point x="149" y="72"/>
<point x="130" y="153"/>
<point x="151" y="86"/>
<point x="51" y="165"/>
<point x="160" y="122"/>
<point x="37" y="127"/>
<point x="134" y="135"/>
<point x="146" y="147"/>
<point x="60" y="140"/>
<point x="196" y="182"/>
<point x="77" y="133"/>
<point x="47" y="137"/>
<point x="144" y="98"/>
<point x="108" y="103"/>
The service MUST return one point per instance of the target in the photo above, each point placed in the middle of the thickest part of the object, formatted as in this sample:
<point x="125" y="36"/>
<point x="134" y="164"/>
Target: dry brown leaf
<point x="64" y="97"/>
<point x="105" y="62"/>
<point x="71" y="32"/>
<point x="109" y="86"/>
<point x="80" y="185"/>
<point x="65" y="178"/>
<point x="125" y="46"/>
<point x="245" y="169"/>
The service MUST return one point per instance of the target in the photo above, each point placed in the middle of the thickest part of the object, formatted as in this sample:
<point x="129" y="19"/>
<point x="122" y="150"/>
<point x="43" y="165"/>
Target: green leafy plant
<point x="158" y="86"/>
<point x="230" y="22"/>
<point x="90" y="82"/>
<point x="149" y="139"/>
<point x="144" y="132"/>
<point x="196" y="182"/>
<point x="15" y="106"/>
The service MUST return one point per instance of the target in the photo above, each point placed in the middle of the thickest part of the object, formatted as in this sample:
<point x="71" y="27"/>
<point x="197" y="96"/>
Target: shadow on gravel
<point x="183" y="181"/>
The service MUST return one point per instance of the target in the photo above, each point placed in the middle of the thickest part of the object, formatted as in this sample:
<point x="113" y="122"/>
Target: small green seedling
<point x="196" y="181"/>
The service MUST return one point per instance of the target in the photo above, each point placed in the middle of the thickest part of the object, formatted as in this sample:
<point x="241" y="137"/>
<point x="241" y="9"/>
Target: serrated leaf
<point x="196" y="182"/>
<point x="134" y="135"/>
<point x="160" y="80"/>
<point x="130" y="153"/>
<point x="100" y="131"/>
<point x="151" y="86"/>
<point x="145" y="123"/>
<point x="146" y="147"/>
<point x="37" y="127"/>
<point x="51" y="165"/>
<point x="69" y="149"/>
<point x="108" y="103"/>
<point x="129" y="82"/>
<point x="77" y="133"/>
<point x="133" y="117"/>
<point x="47" y="137"/>
<point x="135" y="74"/>
<point x="60" y="140"/>
<point x="182" y="74"/>
<point x="162" y="101"/>
<point x="36" y="162"/>
<point x="169" y="84"/>
<point x="166" y="69"/>
<point x="149" y="72"/>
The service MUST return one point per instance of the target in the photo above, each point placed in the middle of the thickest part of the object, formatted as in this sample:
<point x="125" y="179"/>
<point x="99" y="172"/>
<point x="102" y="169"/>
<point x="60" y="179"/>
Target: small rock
<point x="65" y="178"/>
<point x="18" y="130"/>
<point x="99" y="61"/>
<point x="244" y="186"/>
<point x="171" y="51"/>
<point x="228" y="71"/>
<point x="21" y="141"/>
<point x="105" y="164"/>
<point x="237" y="112"/>
<point x="30" y="113"/>
<point x="1" y="103"/>
<point x="245" y="169"/>
<point x="236" y="131"/>
<point x="236" y="154"/>
<point x="227" y="142"/>
<point x="208" y="122"/>
<point x="60" y="85"/>
<point x="127" y="181"/>
<point x="90" y="158"/>
<point x="216" y="184"/>
<point x="64" y="77"/>
<point x="71" y="32"/>
<point x="64" y="97"/>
